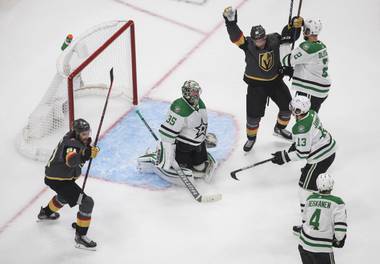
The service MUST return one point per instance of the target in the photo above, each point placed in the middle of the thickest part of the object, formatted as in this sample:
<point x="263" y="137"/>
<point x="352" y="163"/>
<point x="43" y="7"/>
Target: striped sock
<point x="83" y="223"/>
<point x="54" y="206"/>
<point x="283" y="118"/>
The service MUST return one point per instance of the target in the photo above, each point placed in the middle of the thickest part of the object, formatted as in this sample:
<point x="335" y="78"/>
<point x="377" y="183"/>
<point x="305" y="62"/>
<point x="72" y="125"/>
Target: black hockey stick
<point x="97" y="136"/>
<point x="290" y="12"/>
<point x="189" y="185"/>
<point x="298" y="14"/>
<point x="233" y="173"/>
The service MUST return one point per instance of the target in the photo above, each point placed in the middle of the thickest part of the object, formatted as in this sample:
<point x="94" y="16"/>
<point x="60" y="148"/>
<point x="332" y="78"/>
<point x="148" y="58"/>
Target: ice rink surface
<point x="178" y="41"/>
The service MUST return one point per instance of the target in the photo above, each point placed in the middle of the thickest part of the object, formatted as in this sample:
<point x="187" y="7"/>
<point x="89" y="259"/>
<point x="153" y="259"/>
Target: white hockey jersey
<point x="310" y="63"/>
<point x="185" y="123"/>
<point x="311" y="140"/>
<point x="325" y="217"/>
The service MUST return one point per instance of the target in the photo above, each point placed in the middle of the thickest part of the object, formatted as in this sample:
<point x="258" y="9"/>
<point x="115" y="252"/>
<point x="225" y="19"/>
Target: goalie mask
<point x="191" y="91"/>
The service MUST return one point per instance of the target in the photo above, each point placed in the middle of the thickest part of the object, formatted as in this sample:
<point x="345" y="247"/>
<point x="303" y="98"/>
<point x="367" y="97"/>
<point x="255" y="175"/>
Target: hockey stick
<point x="97" y="136"/>
<point x="189" y="185"/>
<point x="298" y="14"/>
<point x="233" y="173"/>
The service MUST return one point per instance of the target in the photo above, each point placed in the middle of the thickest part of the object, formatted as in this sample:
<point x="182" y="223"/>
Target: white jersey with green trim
<point x="325" y="217"/>
<point x="311" y="140"/>
<point x="185" y="123"/>
<point x="310" y="63"/>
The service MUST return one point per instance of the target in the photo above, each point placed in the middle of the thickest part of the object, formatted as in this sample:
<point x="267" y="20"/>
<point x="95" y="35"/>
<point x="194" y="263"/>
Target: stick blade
<point x="210" y="198"/>
<point x="233" y="175"/>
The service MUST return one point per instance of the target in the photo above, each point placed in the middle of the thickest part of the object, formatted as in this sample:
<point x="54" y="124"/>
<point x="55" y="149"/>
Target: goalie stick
<point x="97" y="136"/>
<point x="189" y="185"/>
<point x="233" y="173"/>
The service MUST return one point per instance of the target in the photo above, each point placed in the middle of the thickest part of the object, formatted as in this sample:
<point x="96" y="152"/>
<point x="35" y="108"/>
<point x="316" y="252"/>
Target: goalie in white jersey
<point x="184" y="140"/>
<point x="311" y="142"/>
<point x="324" y="224"/>
<point x="310" y="64"/>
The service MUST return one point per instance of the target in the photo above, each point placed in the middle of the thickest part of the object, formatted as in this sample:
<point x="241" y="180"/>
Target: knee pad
<point x="87" y="205"/>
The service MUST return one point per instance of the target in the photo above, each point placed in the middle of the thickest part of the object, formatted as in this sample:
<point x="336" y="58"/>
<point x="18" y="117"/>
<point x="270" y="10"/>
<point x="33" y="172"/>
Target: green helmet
<point x="191" y="92"/>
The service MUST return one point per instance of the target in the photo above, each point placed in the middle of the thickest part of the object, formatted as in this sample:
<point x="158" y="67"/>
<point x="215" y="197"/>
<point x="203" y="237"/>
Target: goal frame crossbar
<point x="70" y="79"/>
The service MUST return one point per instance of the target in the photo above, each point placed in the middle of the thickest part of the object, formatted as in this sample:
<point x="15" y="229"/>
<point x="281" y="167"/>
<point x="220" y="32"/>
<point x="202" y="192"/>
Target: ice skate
<point x="43" y="216"/>
<point x="83" y="242"/>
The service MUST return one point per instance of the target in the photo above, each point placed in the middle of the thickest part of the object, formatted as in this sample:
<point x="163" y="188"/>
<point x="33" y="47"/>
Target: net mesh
<point x="50" y="119"/>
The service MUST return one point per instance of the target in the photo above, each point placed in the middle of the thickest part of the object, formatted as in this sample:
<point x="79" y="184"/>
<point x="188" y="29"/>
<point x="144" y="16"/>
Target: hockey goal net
<point x="79" y="88"/>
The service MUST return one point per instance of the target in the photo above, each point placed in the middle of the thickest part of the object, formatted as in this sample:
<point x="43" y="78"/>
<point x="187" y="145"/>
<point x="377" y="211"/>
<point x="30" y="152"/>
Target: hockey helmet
<point x="325" y="182"/>
<point x="257" y="32"/>
<point x="299" y="105"/>
<point x="312" y="27"/>
<point x="191" y="91"/>
<point x="80" y="125"/>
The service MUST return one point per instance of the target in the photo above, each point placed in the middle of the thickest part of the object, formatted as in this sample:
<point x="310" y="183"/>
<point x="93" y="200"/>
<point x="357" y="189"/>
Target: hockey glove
<point x="338" y="244"/>
<point x="90" y="152"/>
<point x="211" y="140"/>
<point x="280" y="157"/>
<point x="286" y="71"/>
<point x="230" y="14"/>
<point x="297" y="22"/>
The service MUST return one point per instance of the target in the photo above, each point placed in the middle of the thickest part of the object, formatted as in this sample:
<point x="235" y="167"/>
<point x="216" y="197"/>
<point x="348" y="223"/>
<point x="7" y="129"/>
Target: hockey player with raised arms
<point x="62" y="170"/>
<point x="311" y="142"/>
<point x="310" y="64"/>
<point x="324" y="224"/>
<point x="184" y="140"/>
<point x="263" y="73"/>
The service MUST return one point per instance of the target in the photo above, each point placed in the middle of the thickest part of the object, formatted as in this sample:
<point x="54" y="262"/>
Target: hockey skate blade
<point x="210" y="198"/>
<point x="80" y="246"/>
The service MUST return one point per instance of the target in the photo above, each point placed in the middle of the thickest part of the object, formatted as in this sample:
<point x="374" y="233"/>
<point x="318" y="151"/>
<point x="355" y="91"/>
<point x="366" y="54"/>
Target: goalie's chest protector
<point x="191" y="122"/>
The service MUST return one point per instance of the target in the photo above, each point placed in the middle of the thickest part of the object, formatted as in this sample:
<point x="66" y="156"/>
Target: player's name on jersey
<point x="323" y="204"/>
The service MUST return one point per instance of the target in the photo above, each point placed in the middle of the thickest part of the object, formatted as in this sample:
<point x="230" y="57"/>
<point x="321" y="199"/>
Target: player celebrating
<point x="63" y="168"/>
<point x="325" y="224"/>
<point x="310" y="63"/>
<point x="262" y="75"/>
<point x="183" y="140"/>
<point x="311" y="142"/>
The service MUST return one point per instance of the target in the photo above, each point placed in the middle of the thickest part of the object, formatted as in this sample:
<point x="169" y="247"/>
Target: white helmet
<point x="312" y="27"/>
<point x="325" y="182"/>
<point x="299" y="105"/>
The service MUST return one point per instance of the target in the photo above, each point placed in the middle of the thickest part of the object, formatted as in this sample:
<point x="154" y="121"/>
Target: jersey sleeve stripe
<point x="341" y="229"/>
<point x="315" y="238"/>
<point x="168" y="129"/>
<point x="310" y="82"/>
<point x="340" y="223"/>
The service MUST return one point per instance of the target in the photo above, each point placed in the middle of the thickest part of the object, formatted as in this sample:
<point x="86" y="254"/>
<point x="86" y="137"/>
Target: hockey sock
<point x="283" y="118"/>
<point x="54" y="206"/>
<point x="252" y="128"/>
<point x="83" y="223"/>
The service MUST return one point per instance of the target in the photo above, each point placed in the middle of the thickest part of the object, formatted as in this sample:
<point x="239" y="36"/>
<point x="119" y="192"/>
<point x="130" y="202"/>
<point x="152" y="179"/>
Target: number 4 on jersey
<point x="314" y="220"/>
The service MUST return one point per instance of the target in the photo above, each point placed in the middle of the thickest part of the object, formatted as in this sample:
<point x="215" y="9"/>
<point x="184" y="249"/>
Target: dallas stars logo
<point x="201" y="129"/>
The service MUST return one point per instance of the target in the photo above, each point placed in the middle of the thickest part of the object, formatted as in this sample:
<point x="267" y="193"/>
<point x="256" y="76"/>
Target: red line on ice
<point x="172" y="21"/>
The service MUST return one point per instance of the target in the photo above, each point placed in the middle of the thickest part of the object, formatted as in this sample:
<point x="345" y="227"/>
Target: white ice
<point x="252" y="223"/>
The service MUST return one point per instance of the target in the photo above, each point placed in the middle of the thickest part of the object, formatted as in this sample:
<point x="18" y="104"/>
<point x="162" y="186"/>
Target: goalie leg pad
<point x="172" y="176"/>
<point x="146" y="163"/>
<point x="210" y="169"/>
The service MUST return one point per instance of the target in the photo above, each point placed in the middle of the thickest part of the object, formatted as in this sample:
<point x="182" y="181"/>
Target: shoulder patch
<point x="180" y="107"/>
<point x="312" y="47"/>
<point x="303" y="126"/>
